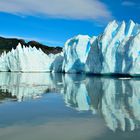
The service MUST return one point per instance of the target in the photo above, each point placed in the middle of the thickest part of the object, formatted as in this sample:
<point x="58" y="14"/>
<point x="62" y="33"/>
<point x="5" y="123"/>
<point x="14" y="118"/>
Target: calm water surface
<point x="42" y="106"/>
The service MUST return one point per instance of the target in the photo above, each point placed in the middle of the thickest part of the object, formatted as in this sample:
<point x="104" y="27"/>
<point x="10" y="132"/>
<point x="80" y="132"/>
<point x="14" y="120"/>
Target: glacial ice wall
<point x="115" y="51"/>
<point x="75" y="54"/>
<point x="120" y="48"/>
<point x="28" y="59"/>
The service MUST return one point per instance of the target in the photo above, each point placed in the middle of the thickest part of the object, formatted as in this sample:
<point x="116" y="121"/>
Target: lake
<point x="43" y="106"/>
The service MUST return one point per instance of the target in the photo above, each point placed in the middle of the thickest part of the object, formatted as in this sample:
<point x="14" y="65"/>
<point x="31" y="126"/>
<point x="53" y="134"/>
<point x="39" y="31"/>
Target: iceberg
<point x="75" y="54"/>
<point x="3" y="62"/>
<point x="115" y="51"/>
<point x="119" y="50"/>
<point x="28" y="59"/>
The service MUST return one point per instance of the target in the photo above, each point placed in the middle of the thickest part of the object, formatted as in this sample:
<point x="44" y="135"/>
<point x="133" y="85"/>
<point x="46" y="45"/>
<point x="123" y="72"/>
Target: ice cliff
<point x="28" y="59"/>
<point x="115" y="51"/>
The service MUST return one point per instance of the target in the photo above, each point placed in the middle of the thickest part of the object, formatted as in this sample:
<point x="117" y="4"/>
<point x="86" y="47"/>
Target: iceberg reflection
<point x="25" y="85"/>
<point x="118" y="100"/>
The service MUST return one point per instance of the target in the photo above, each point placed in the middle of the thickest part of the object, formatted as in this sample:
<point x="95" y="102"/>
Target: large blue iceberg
<point x="115" y="51"/>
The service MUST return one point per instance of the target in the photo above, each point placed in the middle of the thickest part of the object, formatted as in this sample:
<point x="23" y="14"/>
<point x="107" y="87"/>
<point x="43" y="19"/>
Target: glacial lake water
<point x="43" y="106"/>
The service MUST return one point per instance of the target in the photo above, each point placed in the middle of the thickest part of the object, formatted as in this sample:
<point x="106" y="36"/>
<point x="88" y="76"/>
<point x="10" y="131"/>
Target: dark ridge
<point x="46" y="49"/>
<point x="6" y="44"/>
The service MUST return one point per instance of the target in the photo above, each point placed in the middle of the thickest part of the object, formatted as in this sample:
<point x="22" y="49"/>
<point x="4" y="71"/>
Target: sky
<point x="52" y="22"/>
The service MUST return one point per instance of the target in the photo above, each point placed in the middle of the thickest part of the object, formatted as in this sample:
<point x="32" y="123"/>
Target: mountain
<point x="6" y="44"/>
<point x="115" y="51"/>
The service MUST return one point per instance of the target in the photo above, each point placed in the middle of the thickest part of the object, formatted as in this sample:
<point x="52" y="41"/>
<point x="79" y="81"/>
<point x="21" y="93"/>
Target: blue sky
<point x="52" y="22"/>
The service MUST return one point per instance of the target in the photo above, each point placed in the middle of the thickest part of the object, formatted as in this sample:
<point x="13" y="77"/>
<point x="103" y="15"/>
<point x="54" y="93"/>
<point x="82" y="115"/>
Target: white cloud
<point x="128" y="3"/>
<point x="66" y="9"/>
